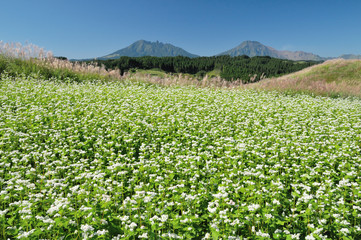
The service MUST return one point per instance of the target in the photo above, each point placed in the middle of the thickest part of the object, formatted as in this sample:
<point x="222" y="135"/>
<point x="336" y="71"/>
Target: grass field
<point x="122" y="160"/>
<point x="333" y="78"/>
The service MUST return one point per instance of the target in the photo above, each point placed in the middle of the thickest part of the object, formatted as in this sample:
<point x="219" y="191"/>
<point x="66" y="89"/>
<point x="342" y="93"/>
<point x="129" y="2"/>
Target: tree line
<point x="248" y="69"/>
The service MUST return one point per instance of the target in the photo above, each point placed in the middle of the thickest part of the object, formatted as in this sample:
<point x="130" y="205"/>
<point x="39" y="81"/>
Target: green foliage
<point x="231" y="68"/>
<point x="61" y="58"/>
<point x="201" y="73"/>
<point x="214" y="73"/>
<point x="151" y="72"/>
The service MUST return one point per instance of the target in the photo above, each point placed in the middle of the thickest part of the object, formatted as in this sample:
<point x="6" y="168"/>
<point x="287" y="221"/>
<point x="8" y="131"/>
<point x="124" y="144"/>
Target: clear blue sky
<point x="87" y="28"/>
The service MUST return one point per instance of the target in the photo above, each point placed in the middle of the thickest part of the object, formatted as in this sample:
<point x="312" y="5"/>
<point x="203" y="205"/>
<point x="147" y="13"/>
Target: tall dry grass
<point x="41" y="57"/>
<point x="309" y="85"/>
<point x="24" y="52"/>
<point x="80" y="67"/>
<point x="183" y="80"/>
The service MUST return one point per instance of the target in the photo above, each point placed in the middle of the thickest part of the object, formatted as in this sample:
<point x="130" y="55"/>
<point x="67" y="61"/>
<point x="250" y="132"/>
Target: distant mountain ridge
<point x="146" y="48"/>
<point x="250" y="48"/>
<point x="254" y="48"/>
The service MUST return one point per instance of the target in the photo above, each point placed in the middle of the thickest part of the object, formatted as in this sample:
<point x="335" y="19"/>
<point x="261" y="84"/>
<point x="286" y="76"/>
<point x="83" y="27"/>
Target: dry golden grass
<point x="83" y="68"/>
<point x="333" y="78"/>
<point x="183" y="80"/>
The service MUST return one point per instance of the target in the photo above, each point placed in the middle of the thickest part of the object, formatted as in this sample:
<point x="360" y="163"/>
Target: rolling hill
<point x="336" y="77"/>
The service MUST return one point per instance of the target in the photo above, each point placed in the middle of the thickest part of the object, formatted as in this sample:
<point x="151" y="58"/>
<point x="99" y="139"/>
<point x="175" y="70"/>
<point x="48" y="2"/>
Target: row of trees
<point x="256" y="68"/>
<point x="231" y="68"/>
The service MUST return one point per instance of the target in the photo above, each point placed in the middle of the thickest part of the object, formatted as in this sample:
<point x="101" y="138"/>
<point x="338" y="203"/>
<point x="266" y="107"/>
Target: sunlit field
<point x="132" y="160"/>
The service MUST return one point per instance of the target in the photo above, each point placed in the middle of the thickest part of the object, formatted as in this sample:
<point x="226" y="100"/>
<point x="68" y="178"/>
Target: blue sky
<point x="87" y="28"/>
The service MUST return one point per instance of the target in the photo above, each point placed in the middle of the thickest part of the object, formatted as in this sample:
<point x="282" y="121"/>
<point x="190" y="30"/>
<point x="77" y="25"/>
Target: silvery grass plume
<point x="45" y="58"/>
<point x="25" y="52"/>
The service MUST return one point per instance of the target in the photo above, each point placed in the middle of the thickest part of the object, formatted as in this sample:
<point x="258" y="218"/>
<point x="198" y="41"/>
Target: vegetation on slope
<point x="16" y="59"/>
<point x="333" y="78"/>
<point x="59" y="69"/>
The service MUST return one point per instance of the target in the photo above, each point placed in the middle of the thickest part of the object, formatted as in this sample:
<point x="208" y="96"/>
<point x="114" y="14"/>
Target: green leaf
<point x="215" y="234"/>
<point x="11" y="220"/>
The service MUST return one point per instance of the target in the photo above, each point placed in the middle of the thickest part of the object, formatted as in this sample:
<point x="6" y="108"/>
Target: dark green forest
<point x="248" y="69"/>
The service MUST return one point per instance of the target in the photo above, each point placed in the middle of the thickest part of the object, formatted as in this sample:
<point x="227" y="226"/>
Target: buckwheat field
<point x="131" y="160"/>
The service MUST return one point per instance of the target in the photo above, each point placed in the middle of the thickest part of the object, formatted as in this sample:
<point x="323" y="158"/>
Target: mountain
<point x="146" y="48"/>
<point x="249" y="48"/>
<point x="254" y="48"/>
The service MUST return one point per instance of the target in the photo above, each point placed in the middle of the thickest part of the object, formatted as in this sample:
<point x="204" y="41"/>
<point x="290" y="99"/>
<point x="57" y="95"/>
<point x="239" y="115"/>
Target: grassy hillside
<point x="337" y="77"/>
<point x="338" y="71"/>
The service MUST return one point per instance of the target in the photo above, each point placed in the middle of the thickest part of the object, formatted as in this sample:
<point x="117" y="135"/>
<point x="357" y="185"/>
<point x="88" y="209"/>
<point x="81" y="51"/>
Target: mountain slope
<point x="146" y="48"/>
<point x="254" y="48"/>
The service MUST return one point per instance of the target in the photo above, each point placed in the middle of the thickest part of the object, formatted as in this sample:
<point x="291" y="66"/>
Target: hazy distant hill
<point x="350" y="56"/>
<point x="254" y="48"/>
<point x="146" y="48"/>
